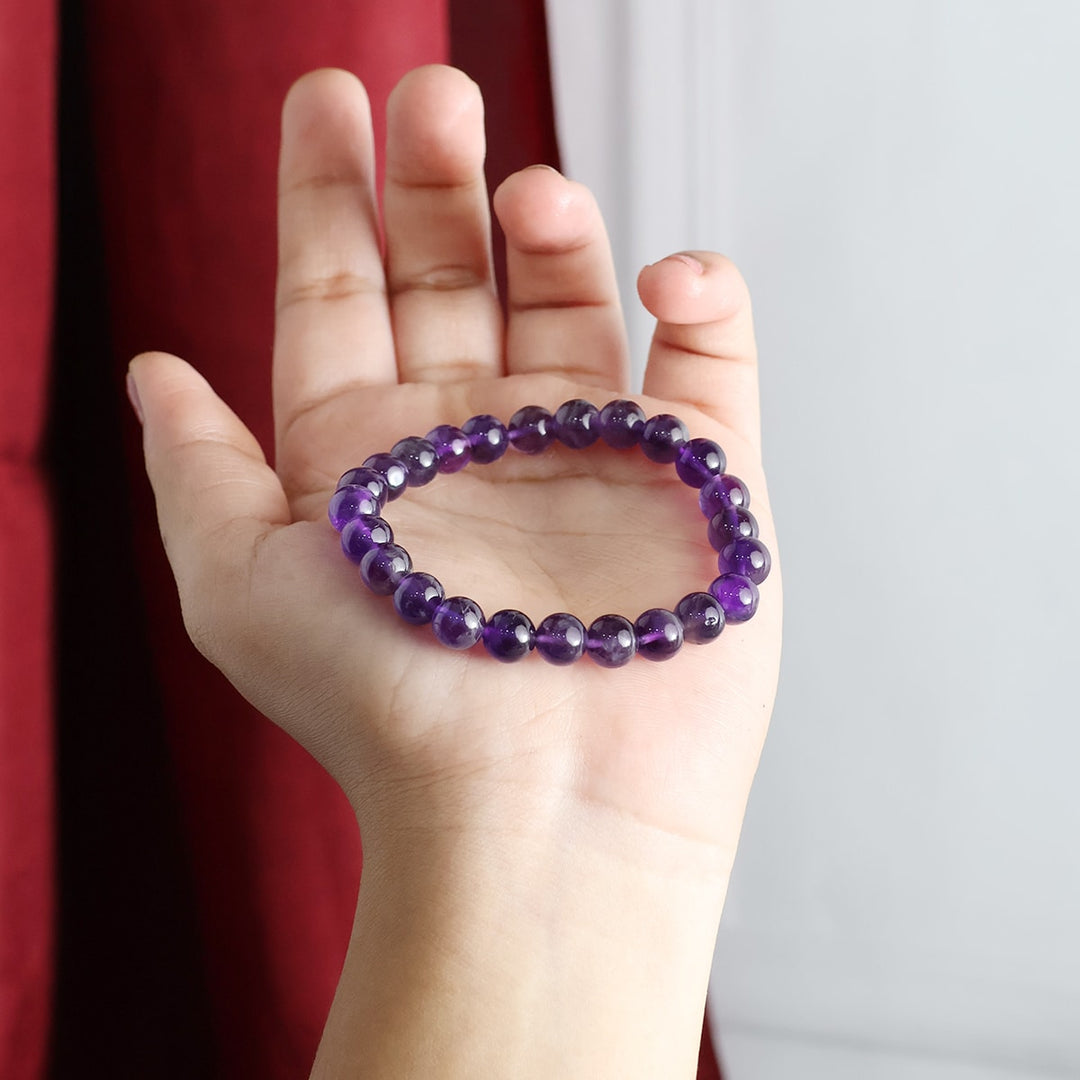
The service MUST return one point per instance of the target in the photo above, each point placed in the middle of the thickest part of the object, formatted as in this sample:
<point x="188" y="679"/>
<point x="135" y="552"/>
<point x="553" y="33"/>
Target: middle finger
<point x="446" y="315"/>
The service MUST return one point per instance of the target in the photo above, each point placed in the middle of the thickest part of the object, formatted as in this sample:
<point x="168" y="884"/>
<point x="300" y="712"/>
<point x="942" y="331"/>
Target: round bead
<point x="611" y="641"/>
<point x="721" y="492"/>
<point x="747" y="556"/>
<point x="349" y="503"/>
<point x="392" y="471"/>
<point x="577" y="423"/>
<point x="509" y="635"/>
<point x="661" y="438"/>
<point x="560" y="638"/>
<point x="383" y="567"/>
<point x="487" y="438"/>
<point x="416" y="598"/>
<point x="362" y="534"/>
<point x="419" y="458"/>
<point x="659" y="633"/>
<point x="738" y="596"/>
<point x="621" y="423"/>
<point x="458" y="622"/>
<point x="451" y="447"/>
<point x="698" y="461"/>
<point x="702" y="617"/>
<point x="731" y="524"/>
<point x="531" y="429"/>
<point x="374" y="481"/>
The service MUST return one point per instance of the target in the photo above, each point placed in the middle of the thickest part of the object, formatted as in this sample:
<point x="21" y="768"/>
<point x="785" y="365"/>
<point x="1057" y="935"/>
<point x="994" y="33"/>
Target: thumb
<point x="216" y="496"/>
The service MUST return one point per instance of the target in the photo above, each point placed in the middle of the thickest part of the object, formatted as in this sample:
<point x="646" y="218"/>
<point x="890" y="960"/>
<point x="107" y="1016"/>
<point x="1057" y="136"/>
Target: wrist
<point x="577" y="946"/>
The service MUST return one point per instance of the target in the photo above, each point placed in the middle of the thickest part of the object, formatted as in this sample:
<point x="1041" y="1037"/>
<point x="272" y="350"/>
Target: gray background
<point x="900" y="183"/>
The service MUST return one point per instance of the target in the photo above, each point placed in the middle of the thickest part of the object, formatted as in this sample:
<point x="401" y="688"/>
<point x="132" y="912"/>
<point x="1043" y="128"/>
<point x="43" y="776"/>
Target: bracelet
<point x="362" y="493"/>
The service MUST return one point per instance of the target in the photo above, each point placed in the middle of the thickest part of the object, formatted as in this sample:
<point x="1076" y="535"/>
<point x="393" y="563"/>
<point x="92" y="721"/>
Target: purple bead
<point x="349" y="503"/>
<point x="383" y="567"/>
<point x="451" y="447"/>
<point x="509" y="635"/>
<point x="731" y="524"/>
<point x="458" y="622"/>
<point x="661" y="438"/>
<point x="621" y="423"/>
<point x="577" y="423"/>
<point x="611" y="641"/>
<point x="362" y="534"/>
<point x="531" y="429"/>
<point x="418" y="457"/>
<point x="392" y="471"/>
<point x="738" y="596"/>
<point x="698" y="461"/>
<point x="702" y="617"/>
<point x="747" y="556"/>
<point x="560" y="638"/>
<point x="659" y="633"/>
<point x="487" y="438"/>
<point x="416" y="598"/>
<point x="721" y="492"/>
<point x="374" y="481"/>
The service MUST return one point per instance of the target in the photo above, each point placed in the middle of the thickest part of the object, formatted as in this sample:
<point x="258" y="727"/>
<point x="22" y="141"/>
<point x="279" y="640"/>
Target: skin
<point x="547" y="849"/>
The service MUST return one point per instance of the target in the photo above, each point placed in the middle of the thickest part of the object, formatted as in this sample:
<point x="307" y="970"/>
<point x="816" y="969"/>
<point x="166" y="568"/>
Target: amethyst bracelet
<point x="362" y="494"/>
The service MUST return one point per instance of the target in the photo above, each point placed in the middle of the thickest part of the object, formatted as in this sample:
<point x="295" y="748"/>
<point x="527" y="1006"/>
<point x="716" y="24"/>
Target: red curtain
<point x="208" y="868"/>
<point x="27" y="176"/>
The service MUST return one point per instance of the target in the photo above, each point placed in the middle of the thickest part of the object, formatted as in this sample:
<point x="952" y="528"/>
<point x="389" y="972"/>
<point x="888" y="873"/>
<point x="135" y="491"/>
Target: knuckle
<point x="342" y="285"/>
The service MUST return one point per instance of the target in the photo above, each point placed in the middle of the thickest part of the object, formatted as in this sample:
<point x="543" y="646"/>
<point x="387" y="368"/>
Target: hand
<point x="371" y="347"/>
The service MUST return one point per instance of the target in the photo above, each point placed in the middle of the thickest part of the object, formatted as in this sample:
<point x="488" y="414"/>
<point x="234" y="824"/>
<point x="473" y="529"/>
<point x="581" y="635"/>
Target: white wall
<point x="901" y="184"/>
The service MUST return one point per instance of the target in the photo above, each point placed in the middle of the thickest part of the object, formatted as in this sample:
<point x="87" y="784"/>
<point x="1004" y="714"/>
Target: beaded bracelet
<point x="362" y="493"/>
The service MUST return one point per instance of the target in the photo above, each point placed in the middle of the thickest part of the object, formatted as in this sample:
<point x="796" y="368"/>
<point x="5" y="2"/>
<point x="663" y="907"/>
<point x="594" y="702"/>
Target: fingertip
<point x="435" y="81"/>
<point x="321" y="81"/>
<point x="693" y="287"/>
<point x="542" y="211"/>
<point x="435" y="126"/>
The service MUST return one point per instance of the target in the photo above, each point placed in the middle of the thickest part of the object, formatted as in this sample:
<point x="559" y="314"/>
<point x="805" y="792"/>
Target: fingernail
<point x="695" y="264"/>
<point x="550" y="168"/>
<point x="133" y="395"/>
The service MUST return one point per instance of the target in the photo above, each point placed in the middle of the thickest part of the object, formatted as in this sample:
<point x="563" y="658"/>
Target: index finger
<point x="333" y="326"/>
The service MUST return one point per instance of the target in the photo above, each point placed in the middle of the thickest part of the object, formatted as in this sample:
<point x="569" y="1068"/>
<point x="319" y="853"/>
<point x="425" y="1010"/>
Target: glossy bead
<point x="659" y="634"/>
<point x="747" y="556"/>
<point x="731" y="524"/>
<point x="611" y="641"/>
<point x="349" y="503"/>
<point x="488" y="439"/>
<point x="363" y="533"/>
<point x="419" y="458"/>
<point x="577" y="423"/>
<point x="661" y="438"/>
<point x="458" y="622"/>
<point x="509" y="635"/>
<point x="531" y="429"/>
<point x="416" y="597"/>
<point x="721" y="492"/>
<point x="391" y="470"/>
<point x="451" y="447"/>
<point x="560" y="638"/>
<point x="702" y="617"/>
<point x="738" y="596"/>
<point x="698" y="461"/>
<point x="374" y="481"/>
<point x="383" y="567"/>
<point x="621" y="423"/>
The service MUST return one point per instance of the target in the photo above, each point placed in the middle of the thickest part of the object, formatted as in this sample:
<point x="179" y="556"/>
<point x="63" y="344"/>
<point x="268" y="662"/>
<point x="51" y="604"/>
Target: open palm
<point x="375" y="342"/>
